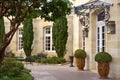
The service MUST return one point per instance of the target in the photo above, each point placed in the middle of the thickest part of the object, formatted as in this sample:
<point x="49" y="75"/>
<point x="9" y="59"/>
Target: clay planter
<point x="80" y="63"/>
<point x="103" y="69"/>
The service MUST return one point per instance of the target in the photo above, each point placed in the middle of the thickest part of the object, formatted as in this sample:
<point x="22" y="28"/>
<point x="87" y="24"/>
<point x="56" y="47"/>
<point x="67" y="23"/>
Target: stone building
<point x="99" y="31"/>
<point x="94" y="28"/>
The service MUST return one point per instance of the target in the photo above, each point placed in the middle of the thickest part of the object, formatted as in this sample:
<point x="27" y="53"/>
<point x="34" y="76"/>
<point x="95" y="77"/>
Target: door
<point x="100" y="36"/>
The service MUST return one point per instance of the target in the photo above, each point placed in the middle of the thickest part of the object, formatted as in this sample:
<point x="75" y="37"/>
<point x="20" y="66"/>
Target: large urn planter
<point x="80" y="63"/>
<point x="103" y="59"/>
<point x="80" y="56"/>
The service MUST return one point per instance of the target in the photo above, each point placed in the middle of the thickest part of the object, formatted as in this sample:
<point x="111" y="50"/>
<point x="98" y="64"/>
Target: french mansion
<point x="93" y="25"/>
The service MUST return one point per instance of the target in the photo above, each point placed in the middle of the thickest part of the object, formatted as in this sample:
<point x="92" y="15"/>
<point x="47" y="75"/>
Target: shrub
<point x="53" y="60"/>
<point x="39" y="56"/>
<point x="14" y="70"/>
<point x="79" y="53"/>
<point x="5" y="78"/>
<point x="103" y="57"/>
<point x="36" y="58"/>
<point x="11" y="67"/>
<point x="30" y="59"/>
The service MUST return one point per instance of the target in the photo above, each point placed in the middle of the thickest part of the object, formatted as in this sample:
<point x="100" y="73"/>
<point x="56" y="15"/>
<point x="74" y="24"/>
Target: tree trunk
<point x="2" y="54"/>
<point x="6" y="41"/>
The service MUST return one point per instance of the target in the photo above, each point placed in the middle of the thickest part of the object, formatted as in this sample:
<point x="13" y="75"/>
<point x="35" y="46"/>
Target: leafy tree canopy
<point x="48" y="9"/>
<point x="17" y="10"/>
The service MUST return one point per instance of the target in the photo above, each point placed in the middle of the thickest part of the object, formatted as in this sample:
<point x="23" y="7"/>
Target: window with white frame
<point x="20" y="39"/>
<point x="48" y="44"/>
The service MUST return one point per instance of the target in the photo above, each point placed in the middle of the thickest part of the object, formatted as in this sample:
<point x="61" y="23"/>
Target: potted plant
<point x="103" y="59"/>
<point x="80" y="58"/>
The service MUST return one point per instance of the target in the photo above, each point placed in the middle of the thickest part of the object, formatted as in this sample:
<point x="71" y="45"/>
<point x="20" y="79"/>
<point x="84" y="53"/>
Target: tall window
<point x="20" y="39"/>
<point x="100" y="38"/>
<point x="48" y="44"/>
<point x="101" y="32"/>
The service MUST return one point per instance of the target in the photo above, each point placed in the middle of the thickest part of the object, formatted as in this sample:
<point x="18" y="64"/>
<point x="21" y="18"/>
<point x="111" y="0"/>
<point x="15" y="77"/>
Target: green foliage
<point x="13" y="70"/>
<point x="30" y="59"/>
<point x="5" y="78"/>
<point x="36" y="58"/>
<point x="11" y="67"/>
<point x="60" y="35"/>
<point x="23" y="76"/>
<point x="53" y="60"/>
<point x="103" y="57"/>
<point x="55" y="9"/>
<point x="2" y="30"/>
<point x="28" y="36"/>
<point x="50" y="10"/>
<point x="18" y="10"/>
<point x="79" y="53"/>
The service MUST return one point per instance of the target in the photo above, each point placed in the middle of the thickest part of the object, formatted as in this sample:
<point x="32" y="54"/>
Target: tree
<point x="2" y="30"/>
<point x="60" y="35"/>
<point x="28" y="36"/>
<point x="17" y="10"/>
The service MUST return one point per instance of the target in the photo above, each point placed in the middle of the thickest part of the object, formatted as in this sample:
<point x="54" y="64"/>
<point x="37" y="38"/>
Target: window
<point x="48" y="44"/>
<point x="20" y="39"/>
<point x="101" y="36"/>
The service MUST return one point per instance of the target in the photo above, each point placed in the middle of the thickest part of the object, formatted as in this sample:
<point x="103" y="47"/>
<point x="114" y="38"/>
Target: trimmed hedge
<point x="79" y="53"/>
<point x="103" y="57"/>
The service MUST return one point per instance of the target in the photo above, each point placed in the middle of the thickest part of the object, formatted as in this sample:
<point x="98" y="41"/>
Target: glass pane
<point x="20" y="39"/>
<point x="103" y="29"/>
<point x="47" y="30"/>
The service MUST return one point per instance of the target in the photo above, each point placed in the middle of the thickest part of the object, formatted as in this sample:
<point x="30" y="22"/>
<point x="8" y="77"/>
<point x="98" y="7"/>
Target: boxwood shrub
<point x="103" y="57"/>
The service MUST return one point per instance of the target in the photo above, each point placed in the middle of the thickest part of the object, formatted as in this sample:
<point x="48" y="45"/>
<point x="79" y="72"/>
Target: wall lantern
<point x="111" y="27"/>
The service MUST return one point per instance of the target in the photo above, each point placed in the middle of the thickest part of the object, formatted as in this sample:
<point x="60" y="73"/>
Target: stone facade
<point x="111" y="43"/>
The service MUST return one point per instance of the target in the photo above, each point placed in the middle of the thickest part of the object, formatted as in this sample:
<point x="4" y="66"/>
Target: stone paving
<point x="60" y="72"/>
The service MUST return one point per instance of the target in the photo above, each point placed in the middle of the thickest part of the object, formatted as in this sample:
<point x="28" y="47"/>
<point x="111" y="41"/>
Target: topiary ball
<point x="103" y="57"/>
<point x="79" y="53"/>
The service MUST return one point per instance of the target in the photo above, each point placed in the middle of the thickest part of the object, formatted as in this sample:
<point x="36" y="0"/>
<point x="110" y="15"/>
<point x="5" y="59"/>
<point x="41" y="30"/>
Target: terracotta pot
<point x="80" y="63"/>
<point x="103" y="69"/>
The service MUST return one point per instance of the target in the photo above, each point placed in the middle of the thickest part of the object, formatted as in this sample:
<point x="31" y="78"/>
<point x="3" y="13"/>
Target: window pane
<point x="20" y="39"/>
<point x="47" y="30"/>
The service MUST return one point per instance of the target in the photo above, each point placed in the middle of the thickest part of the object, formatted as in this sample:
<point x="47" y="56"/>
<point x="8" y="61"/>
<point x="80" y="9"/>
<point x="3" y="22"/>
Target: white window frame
<point x="101" y="34"/>
<point x="20" y="41"/>
<point x="51" y="42"/>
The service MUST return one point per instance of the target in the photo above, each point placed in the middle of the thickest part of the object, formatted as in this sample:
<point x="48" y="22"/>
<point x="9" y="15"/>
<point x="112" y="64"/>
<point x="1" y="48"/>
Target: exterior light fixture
<point x="84" y="22"/>
<point x="111" y="27"/>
